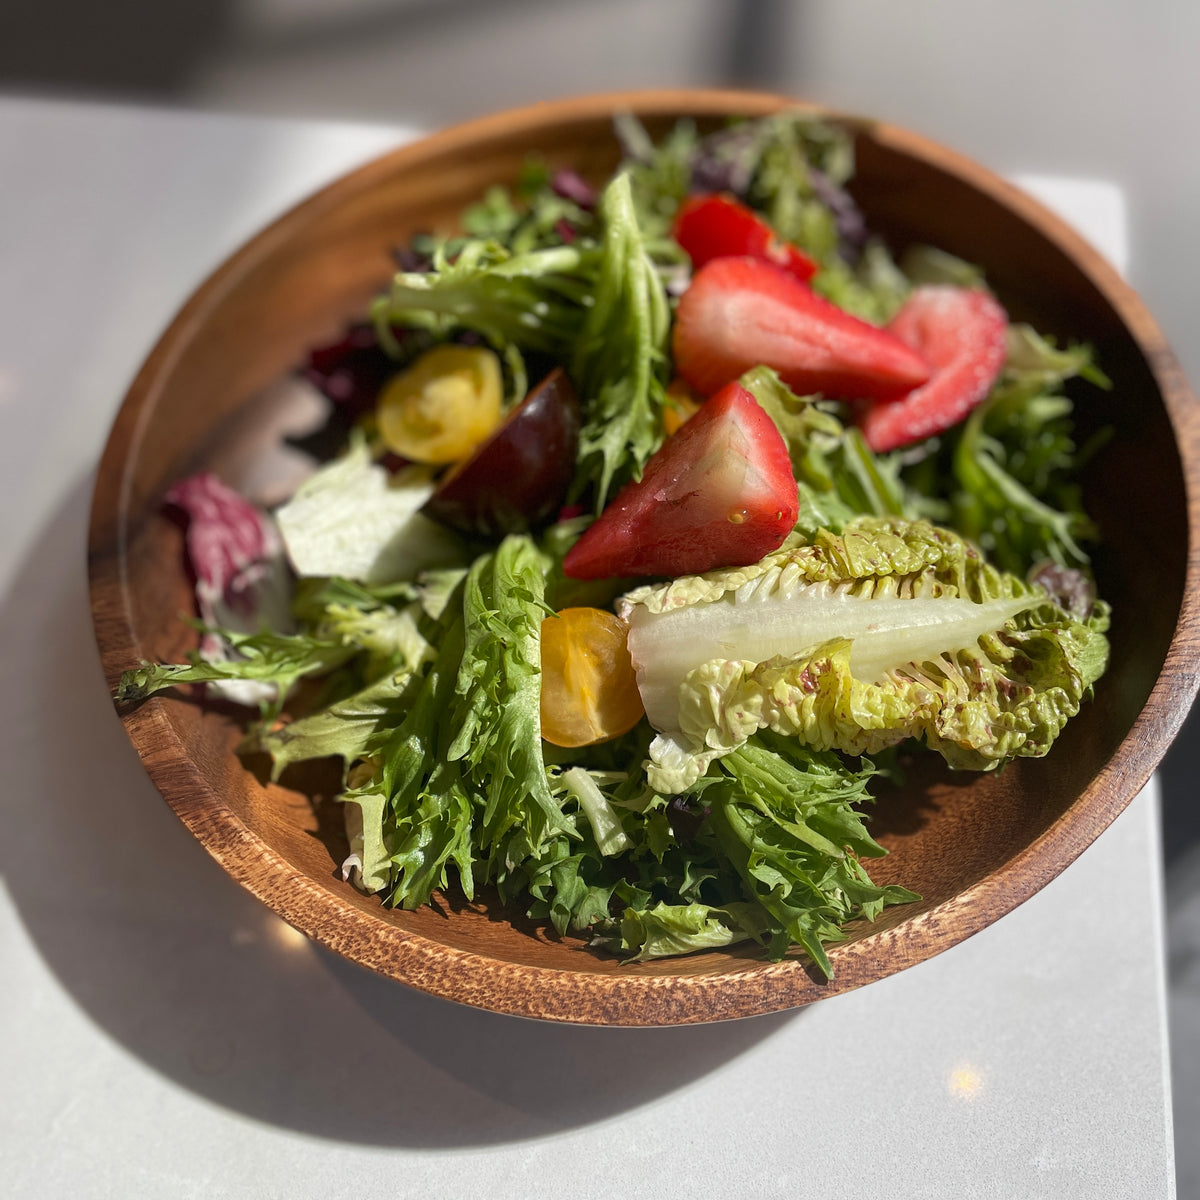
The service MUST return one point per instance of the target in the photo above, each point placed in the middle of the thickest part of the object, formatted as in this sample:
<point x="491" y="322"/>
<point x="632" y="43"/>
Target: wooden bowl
<point x="974" y="846"/>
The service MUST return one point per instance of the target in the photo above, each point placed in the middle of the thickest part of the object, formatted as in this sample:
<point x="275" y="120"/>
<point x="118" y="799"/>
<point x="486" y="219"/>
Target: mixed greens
<point x="785" y="603"/>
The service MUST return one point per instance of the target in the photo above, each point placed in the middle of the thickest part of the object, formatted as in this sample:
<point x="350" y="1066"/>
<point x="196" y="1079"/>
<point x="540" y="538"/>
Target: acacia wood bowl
<point x="974" y="846"/>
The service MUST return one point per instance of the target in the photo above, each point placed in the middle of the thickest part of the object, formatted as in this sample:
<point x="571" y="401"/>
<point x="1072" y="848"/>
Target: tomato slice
<point x="443" y="406"/>
<point x="719" y="493"/>
<point x="517" y="478"/>
<point x="589" y="689"/>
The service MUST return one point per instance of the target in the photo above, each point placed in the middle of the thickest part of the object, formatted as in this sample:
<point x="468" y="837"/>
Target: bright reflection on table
<point x="272" y="931"/>
<point x="965" y="1082"/>
<point x="286" y="937"/>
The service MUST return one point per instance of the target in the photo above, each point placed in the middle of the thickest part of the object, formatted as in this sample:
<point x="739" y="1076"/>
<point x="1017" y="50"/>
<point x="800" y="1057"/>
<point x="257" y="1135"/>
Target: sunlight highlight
<point x="965" y="1082"/>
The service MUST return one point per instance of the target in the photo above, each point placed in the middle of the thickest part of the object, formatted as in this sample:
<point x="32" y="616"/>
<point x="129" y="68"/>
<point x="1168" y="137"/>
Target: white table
<point x="163" y="1034"/>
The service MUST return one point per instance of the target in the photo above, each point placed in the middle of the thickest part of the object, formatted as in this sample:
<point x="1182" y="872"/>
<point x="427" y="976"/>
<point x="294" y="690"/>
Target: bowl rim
<point x="580" y="995"/>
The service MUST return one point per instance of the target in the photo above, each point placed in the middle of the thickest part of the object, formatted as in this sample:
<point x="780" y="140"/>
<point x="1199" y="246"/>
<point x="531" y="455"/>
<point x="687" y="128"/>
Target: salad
<point x="654" y="523"/>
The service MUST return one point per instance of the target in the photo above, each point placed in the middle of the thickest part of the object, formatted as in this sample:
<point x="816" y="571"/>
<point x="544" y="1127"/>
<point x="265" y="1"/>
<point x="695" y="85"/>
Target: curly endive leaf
<point x="535" y="300"/>
<point x="496" y="713"/>
<point x="620" y="359"/>
<point x="273" y="658"/>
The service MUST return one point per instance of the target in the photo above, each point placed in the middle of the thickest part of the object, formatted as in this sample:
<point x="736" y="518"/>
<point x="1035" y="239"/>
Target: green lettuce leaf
<point x="605" y="821"/>
<point x="314" y="595"/>
<point x="892" y="629"/>
<point x="528" y="218"/>
<point x="778" y="832"/>
<point x="350" y="519"/>
<point x="497" y="711"/>
<point x="670" y="929"/>
<point x="660" y="174"/>
<point x="1008" y="476"/>
<point x="369" y="863"/>
<point x="534" y="300"/>
<point x="343" y="730"/>
<point x="788" y="823"/>
<point x="425" y="817"/>
<point x="462" y="775"/>
<point x="277" y="659"/>
<point x="619" y="361"/>
<point x="599" y="306"/>
<point x="388" y="637"/>
<point x="570" y="882"/>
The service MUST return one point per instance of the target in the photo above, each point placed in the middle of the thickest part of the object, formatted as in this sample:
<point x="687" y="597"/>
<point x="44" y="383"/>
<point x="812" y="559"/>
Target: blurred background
<point x="1104" y="89"/>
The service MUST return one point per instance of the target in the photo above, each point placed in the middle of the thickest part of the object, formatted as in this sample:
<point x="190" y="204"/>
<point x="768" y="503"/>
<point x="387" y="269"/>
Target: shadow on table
<point x="176" y="963"/>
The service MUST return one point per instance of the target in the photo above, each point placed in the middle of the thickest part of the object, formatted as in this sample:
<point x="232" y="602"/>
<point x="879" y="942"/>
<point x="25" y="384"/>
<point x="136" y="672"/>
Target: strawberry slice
<point x="962" y="333"/>
<point x="740" y="313"/>
<point x="719" y="493"/>
<point x="713" y="225"/>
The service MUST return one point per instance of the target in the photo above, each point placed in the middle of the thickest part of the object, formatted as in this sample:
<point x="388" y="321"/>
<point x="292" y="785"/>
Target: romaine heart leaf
<point x="897" y="629"/>
<point x="739" y="313"/>
<point x="719" y="493"/>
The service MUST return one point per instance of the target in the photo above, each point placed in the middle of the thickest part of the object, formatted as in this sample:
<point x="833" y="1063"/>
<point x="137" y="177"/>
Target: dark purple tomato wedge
<point x="517" y="479"/>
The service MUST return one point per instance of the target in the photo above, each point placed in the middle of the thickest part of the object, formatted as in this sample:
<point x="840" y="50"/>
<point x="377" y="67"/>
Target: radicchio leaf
<point x="242" y="582"/>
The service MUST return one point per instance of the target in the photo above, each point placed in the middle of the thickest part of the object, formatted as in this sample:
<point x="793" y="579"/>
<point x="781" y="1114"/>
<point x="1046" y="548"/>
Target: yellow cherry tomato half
<point x="589" y="690"/>
<point x="680" y="404"/>
<point x="443" y="406"/>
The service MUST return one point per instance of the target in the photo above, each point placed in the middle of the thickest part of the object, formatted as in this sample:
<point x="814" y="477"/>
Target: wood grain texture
<point x="975" y="847"/>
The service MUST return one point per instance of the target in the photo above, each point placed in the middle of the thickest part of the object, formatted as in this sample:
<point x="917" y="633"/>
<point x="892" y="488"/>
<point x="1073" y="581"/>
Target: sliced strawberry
<point x="720" y="493"/>
<point x="712" y="225"/>
<point x="962" y="333"/>
<point x="740" y="313"/>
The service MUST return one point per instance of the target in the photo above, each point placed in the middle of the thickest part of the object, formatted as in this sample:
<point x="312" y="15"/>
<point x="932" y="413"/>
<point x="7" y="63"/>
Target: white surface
<point x="164" y="1035"/>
